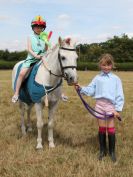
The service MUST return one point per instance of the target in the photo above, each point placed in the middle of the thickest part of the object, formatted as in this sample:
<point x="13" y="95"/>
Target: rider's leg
<point x="20" y="79"/>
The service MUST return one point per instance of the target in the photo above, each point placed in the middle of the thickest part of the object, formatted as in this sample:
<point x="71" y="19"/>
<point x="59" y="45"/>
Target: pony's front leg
<point x="38" y="107"/>
<point x="52" y="107"/>
<point x="22" y="110"/>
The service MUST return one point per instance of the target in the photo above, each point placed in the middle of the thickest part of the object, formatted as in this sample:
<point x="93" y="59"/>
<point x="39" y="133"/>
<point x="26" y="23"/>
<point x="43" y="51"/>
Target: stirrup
<point x="15" y="98"/>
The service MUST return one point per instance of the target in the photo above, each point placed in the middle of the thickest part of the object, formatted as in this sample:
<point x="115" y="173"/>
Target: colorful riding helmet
<point x="38" y="21"/>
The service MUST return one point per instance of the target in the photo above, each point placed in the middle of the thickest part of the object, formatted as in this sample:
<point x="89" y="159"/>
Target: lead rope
<point x="93" y="111"/>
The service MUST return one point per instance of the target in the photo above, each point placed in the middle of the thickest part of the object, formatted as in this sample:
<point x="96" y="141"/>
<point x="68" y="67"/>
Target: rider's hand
<point x="39" y="57"/>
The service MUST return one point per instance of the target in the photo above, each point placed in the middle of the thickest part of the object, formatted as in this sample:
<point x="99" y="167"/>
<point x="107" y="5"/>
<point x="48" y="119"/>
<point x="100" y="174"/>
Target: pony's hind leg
<point x="22" y="110"/>
<point x="29" y="127"/>
<point x="38" y="107"/>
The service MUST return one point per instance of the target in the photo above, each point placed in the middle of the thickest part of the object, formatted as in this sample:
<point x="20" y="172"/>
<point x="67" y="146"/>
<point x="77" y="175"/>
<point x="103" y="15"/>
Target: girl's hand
<point x="116" y="114"/>
<point x="77" y="86"/>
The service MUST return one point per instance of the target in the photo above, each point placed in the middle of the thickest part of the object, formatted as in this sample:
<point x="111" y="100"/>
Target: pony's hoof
<point x="23" y="131"/>
<point x="29" y="129"/>
<point x="39" y="146"/>
<point x="51" y="145"/>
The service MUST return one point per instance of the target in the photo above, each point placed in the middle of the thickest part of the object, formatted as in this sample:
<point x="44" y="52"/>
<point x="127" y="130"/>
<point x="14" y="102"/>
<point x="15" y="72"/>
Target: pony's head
<point x="68" y="59"/>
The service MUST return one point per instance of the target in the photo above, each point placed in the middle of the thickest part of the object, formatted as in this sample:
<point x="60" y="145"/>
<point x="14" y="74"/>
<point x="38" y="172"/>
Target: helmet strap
<point x="42" y="28"/>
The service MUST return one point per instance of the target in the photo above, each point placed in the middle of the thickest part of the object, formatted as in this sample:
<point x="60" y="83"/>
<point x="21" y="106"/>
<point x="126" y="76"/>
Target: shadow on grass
<point x="90" y="143"/>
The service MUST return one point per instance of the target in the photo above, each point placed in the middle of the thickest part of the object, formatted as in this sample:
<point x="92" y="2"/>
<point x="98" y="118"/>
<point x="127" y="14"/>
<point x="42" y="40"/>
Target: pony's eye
<point x="63" y="58"/>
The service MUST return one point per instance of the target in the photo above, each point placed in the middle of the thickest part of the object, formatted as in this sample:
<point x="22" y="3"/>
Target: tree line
<point x="121" y="48"/>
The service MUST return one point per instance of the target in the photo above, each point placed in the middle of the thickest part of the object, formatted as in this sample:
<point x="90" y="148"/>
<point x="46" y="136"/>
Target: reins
<point x="93" y="111"/>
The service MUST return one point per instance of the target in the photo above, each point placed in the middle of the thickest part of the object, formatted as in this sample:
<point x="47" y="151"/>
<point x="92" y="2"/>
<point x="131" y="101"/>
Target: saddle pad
<point x="30" y="91"/>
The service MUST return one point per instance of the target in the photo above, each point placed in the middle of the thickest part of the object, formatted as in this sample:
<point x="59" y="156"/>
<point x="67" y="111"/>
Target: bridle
<point x="61" y="66"/>
<point x="62" y="71"/>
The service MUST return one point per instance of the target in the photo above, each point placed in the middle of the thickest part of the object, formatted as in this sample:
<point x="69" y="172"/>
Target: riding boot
<point x="111" y="138"/>
<point x="102" y="143"/>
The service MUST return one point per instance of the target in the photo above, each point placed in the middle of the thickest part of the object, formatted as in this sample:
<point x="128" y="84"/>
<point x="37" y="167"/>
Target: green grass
<point x="75" y="134"/>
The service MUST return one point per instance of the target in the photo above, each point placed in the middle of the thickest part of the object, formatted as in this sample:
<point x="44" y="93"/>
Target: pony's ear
<point x="60" y="41"/>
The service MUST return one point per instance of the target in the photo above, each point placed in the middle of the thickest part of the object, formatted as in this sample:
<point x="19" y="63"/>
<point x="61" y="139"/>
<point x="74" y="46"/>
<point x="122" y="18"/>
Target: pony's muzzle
<point x="70" y="79"/>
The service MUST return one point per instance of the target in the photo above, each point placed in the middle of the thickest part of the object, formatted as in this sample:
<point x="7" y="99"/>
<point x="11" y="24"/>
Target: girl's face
<point x="106" y="68"/>
<point x="38" y="29"/>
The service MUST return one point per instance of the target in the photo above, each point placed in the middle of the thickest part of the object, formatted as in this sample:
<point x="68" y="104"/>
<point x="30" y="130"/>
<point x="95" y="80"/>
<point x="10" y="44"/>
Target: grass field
<point x="75" y="133"/>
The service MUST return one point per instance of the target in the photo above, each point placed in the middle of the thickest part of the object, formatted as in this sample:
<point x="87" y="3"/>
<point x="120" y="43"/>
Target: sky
<point x="87" y="21"/>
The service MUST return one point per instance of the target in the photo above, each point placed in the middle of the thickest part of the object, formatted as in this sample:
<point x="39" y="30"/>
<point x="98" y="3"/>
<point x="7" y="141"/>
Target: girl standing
<point x="106" y="88"/>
